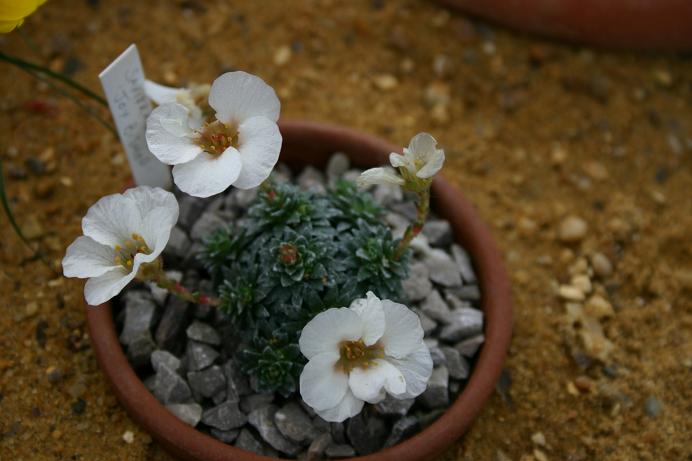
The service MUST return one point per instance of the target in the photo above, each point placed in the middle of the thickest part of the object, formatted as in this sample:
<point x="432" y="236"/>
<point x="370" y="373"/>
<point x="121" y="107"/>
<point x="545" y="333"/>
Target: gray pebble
<point x="172" y="323"/>
<point x="249" y="442"/>
<point x="338" y="164"/>
<point x="189" y="413"/>
<point x="338" y="431"/>
<point x="463" y="260"/>
<point x="366" y="433"/>
<point x="282" y="174"/>
<point x="652" y="406"/>
<point x="225" y="436"/>
<point x="407" y="209"/>
<point x="252" y="402"/>
<point x="392" y="406"/>
<point x="295" y="423"/>
<point x="190" y="208"/>
<point x="311" y="179"/>
<point x="319" y="445"/>
<point x="220" y="397"/>
<point x="352" y="175"/>
<point x="454" y="302"/>
<point x="438" y="232"/>
<point x="454" y="387"/>
<point x="469" y="347"/>
<point x="428" y="324"/>
<point x="224" y="417"/>
<point x="161" y="358"/>
<point x="443" y="270"/>
<point x="467" y="292"/>
<point x="178" y="243"/>
<point x="437" y="393"/>
<point x="159" y="294"/>
<point x="433" y="345"/>
<point x="386" y="195"/>
<point x="150" y="383"/>
<point x="457" y="365"/>
<point x="240" y="199"/>
<point x="140" y="349"/>
<point x="208" y="382"/>
<point x="396" y="221"/>
<point x="417" y="286"/>
<point x="236" y="382"/>
<point x="170" y="387"/>
<point x="435" y="307"/>
<point x="140" y="314"/>
<point x="402" y="429"/>
<point x="462" y="323"/>
<point x="192" y="259"/>
<point x="199" y="355"/>
<point x="206" y="225"/>
<point x="341" y="450"/>
<point x="263" y="420"/>
<point x="203" y="333"/>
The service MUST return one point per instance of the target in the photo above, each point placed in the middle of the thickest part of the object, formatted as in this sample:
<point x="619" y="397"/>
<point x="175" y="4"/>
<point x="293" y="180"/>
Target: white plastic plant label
<point x="123" y="83"/>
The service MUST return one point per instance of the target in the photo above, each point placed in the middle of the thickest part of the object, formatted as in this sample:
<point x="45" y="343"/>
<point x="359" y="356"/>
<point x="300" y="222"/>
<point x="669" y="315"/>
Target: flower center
<point x="354" y="354"/>
<point x="125" y="253"/>
<point x="215" y="137"/>
<point x="288" y="253"/>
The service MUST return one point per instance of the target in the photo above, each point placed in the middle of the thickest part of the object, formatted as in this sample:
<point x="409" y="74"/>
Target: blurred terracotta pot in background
<point x="623" y="24"/>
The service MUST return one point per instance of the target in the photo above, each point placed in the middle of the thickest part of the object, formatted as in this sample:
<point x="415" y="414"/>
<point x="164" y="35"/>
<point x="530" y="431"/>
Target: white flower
<point x="380" y="175"/>
<point x="237" y="146"/>
<point x="121" y="232"/>
<point x="194" y="97"/>
<point x="359" y="354"/>
<point x="422" y="158"/>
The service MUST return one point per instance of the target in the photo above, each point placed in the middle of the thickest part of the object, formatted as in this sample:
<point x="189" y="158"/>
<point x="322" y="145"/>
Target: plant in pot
<point x="312" y="319"/>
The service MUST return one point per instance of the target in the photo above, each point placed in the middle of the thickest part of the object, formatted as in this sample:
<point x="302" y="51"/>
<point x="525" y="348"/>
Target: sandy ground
<point x="534" y="132"/>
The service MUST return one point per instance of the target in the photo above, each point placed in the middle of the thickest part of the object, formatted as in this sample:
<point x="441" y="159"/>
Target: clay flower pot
<point x="631" y="24"/>
<point x="312" y="143"/>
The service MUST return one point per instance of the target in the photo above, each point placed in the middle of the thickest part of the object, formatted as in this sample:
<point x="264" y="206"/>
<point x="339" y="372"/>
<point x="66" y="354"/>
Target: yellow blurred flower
<point x="13" y="12"/>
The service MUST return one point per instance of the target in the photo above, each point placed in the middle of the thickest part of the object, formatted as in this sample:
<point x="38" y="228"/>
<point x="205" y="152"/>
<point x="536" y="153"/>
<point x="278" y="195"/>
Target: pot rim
<point x="311" y="142"/>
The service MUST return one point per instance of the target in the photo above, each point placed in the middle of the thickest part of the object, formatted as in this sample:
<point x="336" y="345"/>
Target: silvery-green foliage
<point x="297" y="254"/>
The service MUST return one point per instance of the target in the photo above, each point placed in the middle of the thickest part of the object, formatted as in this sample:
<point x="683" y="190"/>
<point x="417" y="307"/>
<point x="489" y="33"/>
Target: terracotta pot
<point x="633" y="24"/>
<point x="311" y="143"/>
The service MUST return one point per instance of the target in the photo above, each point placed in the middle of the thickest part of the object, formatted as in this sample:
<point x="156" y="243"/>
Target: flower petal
<point x="397" y="160"/>
<point x="348" y="407"/>
<point x="327" y="329"/>
<point x="379" y="175"/>
<point x="372" y="317"/>
<point x="367" y="383"/>
<point x="237" y="96"/>
<point x="148" y="198"/>
<point x="416" y="369"/>
<point x="111" y="220"/>
<point x="422" y="145"/>
<point x="87" y="258"/>
<point x="161" y="94"/>
<point x="208" y="174"/>
<point x="437" y="159"/>
<point x="321" y="385"/>
<point x="403" y="332"/>
<point x="156" y="230"/>
<point x="169" y="135"/>
<point x="260" y="144"/>
<point x="98" y="290"/>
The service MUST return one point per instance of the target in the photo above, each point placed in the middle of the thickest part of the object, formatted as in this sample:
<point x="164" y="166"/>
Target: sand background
<point x="534" y="131"/>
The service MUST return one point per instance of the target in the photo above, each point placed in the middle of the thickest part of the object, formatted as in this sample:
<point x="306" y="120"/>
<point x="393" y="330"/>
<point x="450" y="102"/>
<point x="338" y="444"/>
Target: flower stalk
<point x="177" y="289"/>
<point x="415" y="228"/>
<point x="412" y="171"/>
